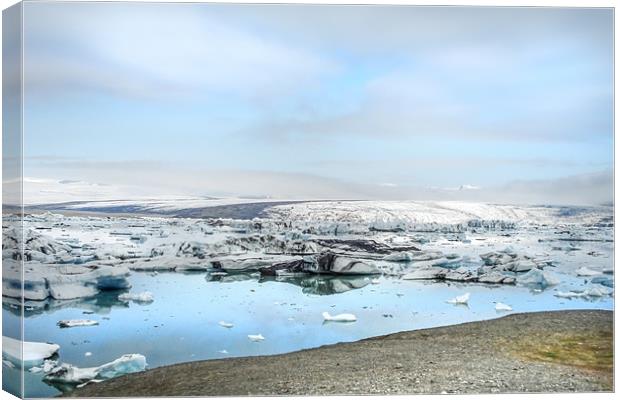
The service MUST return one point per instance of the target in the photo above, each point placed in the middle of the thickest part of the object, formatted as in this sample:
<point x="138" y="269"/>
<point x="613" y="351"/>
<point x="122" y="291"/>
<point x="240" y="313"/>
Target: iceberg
<point x="126" y="364"/>
<point x="70" y="323"/>
<point x="226" y="324"/>
<point x="144" y="297"/>
<point x="34" y="353"/>
<point x="585" y="271"/>
<point x="256" y="338"/>
<point x="339" y="317"/>
<point x="502" y="307"/>
<point x="538" y="278"/>
<point x="463" y="299"/>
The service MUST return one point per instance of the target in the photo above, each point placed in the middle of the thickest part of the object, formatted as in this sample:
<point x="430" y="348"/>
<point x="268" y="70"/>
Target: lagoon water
<point x="182" y="324"/>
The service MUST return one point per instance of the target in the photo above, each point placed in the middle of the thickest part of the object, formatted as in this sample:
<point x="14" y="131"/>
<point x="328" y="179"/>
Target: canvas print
<point x="206" y="199"/>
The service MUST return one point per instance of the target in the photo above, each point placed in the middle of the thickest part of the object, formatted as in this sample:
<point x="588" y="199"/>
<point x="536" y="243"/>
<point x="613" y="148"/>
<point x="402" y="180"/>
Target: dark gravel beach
<point x="563" y="351"/>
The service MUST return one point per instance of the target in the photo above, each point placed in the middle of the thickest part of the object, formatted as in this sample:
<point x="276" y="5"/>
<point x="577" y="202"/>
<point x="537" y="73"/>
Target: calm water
<point x="182" y="323"/>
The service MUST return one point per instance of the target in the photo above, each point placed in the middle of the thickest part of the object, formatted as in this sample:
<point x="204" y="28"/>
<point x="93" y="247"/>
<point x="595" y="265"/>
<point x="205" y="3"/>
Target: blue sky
<point x="320" y="101"/>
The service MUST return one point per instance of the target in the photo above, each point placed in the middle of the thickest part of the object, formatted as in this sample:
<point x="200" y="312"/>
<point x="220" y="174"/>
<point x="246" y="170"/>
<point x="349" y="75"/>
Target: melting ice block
<point x="502" y="307"/>
<point x="34" y="353"/>
<point x="537" y="277"/>
<point x="70" y="323"/>
<point x="126" y="364"/>
<point x="339" y="317"/>
<point x="463" y="299"/>
<point x="144" y="297"/>
<point x="256" y="338"/>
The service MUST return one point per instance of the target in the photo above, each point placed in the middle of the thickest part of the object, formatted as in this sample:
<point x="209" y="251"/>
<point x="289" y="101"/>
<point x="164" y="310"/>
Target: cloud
<point x="158" y="50"/>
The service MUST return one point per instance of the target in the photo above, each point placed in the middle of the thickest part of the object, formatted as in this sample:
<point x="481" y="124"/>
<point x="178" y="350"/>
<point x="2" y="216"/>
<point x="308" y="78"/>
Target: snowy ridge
<point x="394" y="213"/>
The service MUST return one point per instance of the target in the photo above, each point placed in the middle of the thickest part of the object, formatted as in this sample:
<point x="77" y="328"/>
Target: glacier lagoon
<point x="182" y="323"/>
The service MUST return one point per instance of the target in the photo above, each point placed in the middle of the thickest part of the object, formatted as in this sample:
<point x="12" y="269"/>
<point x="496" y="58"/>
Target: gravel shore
<point x="562" y="351"/>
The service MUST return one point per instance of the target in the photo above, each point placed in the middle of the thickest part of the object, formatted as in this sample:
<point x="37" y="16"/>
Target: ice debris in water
<point x="585" y="271"/>
<point x="70" y="323"/>
<point x="502" y="307"/>
<point x="46" y="367"/>
<point x="339" y="317"/>
<point x="144" y="297"/>
<point x="256" y="338"/>
<point x="34" y="353"/>
<point x="463" y="299"/>
<point x="126" y="364"/>
<point x="88" y="354"/>
<point x="537" y="277"/>
<point x="592" y="291"/>
<point x="226" y="324"/>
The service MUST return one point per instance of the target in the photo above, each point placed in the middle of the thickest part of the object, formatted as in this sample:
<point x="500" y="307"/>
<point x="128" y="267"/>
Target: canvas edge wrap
<point x="12" y="181"/>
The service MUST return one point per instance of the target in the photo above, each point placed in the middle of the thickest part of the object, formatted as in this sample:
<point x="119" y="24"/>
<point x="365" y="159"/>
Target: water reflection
<point x="102" y="304"/>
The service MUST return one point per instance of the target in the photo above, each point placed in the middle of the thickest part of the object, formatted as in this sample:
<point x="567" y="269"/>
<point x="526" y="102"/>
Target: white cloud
<point x="159" y="50"/>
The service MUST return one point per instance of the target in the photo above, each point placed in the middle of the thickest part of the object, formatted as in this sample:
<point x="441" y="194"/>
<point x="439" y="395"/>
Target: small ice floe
<point x="126" y="364"/>
<point x="339" y="317"/>
<point x="462" y="299"/>
<point x="71" y="323"/>
<point x="538" y="279"/>
<point x="154" y="273"/>
<point x="144" y="297"/>
<point x="226" y="324"/>
<point x="256" y="338"/>
<point x="592" y="291"/>
<point x="585" y="271"/>
<point x="88" y="354"/>
<point x="27" y="353"/>
<point x="223" y="351"/>
<point x="375" y="281"/>
<point x="502" y="307"/>
<point x="47" y="366"/>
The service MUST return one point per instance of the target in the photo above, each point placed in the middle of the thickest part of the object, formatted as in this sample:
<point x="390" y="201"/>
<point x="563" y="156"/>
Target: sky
<point x="319" y="102"/>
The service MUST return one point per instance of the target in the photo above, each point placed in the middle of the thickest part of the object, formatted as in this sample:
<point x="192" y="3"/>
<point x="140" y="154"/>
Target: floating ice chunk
<point x="502" y="307"/>
<point x="585" y="271"/>
<point x="375" y="281"/>
<point x="144" y="297"/>
<point x="256" y="338"/>
<point x="223" y="351"/>
<point x="226" y="324"/>
<point x="598" y="291"/>
<point x="88" y="354"/>
<point x="462" y="299"/>
<point x="592" y="291"/>
<point x="537" y="277"/>
<point x="126" y="364"/>
<point x="34" y="353"/>
<point x="70" y="323"/>
<point x="47" y="366"/>
<point x="339" y="317"/>
<point x="603" y="280"/>
<point x="568" y="295"/>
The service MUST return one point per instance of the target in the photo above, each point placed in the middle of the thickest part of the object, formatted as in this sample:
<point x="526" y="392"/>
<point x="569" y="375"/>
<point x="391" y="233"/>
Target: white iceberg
<point x="462" y="299"/>
<point x="226" y="324"/>
<point x="339" y="317"/>
<point x="34" y="353"/>
<point x="70" y="323"/>
<point x="126" y="364"/>
<point x="256" y="338"/>
<point x="46" y="367"/>
<point x="537" y="277"/>
<point x="585" y="271"/>
<point x="502" y="307"/>
<point x="144" y="297"/>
